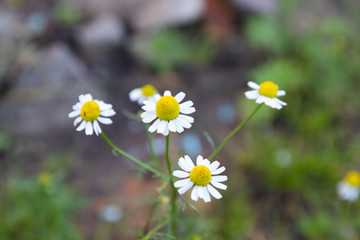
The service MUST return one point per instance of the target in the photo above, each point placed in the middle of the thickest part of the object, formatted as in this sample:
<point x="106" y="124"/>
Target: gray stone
<point x="102" y="33"/>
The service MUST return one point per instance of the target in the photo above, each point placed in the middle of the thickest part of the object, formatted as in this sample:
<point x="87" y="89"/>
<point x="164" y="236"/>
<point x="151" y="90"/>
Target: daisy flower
<point x="349" y="188"/>
<point x="168" y="112"/>
<point x="267" y="93"/>
<point x="144" y="93"/>
<point x="204" y="177"/>
<point x="90" y="112"/>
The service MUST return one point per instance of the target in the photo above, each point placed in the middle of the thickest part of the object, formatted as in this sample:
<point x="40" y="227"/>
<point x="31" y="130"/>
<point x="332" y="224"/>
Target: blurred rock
<point x="43" y="95"/>
<point x="160" y="13"/>
<point x="103" y="33"/>
<point x="256" y="6"/>
<point x="145" y="14"/>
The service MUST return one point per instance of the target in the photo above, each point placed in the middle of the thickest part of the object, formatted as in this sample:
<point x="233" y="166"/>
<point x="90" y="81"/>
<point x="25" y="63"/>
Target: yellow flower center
<point x="90" y="111"/>
<point x="353" y="178"/>
<point x="268" y="89"/>
<point x="200" y="175"/>
<point x="148" y="90"/>
<point x="44" y="178"/>
<point x="167" y="108"/>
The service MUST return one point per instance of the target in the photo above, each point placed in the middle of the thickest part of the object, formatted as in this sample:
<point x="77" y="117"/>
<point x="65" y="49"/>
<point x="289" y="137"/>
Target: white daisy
<point x="144" y="93"/>
<point x="168" y="112"/>
<point x="267" y="93"/>
<point x="90" y="112"/>
<point x="204" y="176"/>
<point x="348" y="188"/>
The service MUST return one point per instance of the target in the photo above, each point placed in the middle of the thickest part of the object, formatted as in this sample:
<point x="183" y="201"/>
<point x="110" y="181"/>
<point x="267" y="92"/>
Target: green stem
<point x="227" y="138"/>
<point x="133" y="159"/>
<point x="155" y="229"/>
<point x="172" y="230"/>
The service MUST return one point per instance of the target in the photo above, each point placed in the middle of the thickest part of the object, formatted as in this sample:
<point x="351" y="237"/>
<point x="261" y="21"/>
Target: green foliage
<point x="168" y="49"/>
<point x="66" y="15"/>
<point x="38" y="208"/>
<point x="293" y="159"/>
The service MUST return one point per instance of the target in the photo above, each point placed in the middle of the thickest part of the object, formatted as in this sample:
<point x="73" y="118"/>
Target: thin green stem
<point x="155" y="229"/>
<point x="227" y="138"/>
<point x="133" y="159"/>
<point x="172" y="230"/>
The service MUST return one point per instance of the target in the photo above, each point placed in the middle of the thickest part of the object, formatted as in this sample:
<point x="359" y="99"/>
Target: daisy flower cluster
<point x="168" y="113"/>
<point x="348" y="189"/>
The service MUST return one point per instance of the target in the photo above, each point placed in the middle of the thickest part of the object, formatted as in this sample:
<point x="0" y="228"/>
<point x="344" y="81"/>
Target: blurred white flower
<point x="111" y="213"/>
<point x="267" y="93"/>
<point x="90" y="112"/>
<point x="146" y="92"/>
<point x="204" y="176"/>
<point x="348" y="189"/>
<point x="168" y="112"/>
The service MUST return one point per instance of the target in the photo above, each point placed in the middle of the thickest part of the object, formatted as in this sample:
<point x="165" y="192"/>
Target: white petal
<point x="281" y="93"/>
<point x="253" y="94"/>
<point x="185" y="188"/>
<point x="253" y="85"/>
<point x="89" y="128"/>
<point x="83" y="98"/>
<point x="189" y="162"/>
<point x="150" y="116"/>
<point x="178" y="126"/>
<point x="213" y="192"/>
<point x="180" y="96"/>
<point x="172" y="126"/>
<point x="81" y="126"/>
<point x="167" y="93"/>
<point x="221" y="178"/>
<point x="161" y="127"/>
<point x="95" y="129"/>
<point x="104" y="120"/>
<point x="74" y="114"/>
<point x="262" y="99"/>
<point x="195" y="193"/>
<point x="183" y="122"/>
<point x="218" y="185"/>
<point x="281" y="102"/>
<point x="186" y="104"/>
<point x="135" y="94"/>
<point x="103" y="106"/>
<point x="214" y="165"/>
<point x="108" y="113"/>
<point x="77" y="106"/>
<point x="77" y="120"/>
<point x="97" y="126"/>
<point x="157" y="97"/>
<point x="186" y="118"/>
<point x="181" y="183"/>
<point x="199" y="160"/>
<point x="166" y="131"/>
<point x="180" y="174"/>
<point x="218" y="171"/>
<point x="187" y="110"/>
<point x="154" y="126"/>
<point x="206" y="163"/>
<point x="184" y="164"/>
<point x="149" y="107"/>
<point x="204" y="194"/>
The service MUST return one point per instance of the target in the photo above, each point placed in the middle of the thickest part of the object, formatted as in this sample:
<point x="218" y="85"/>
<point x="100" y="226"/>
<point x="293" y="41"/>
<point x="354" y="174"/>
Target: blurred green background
<point x="283" y="167"/>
